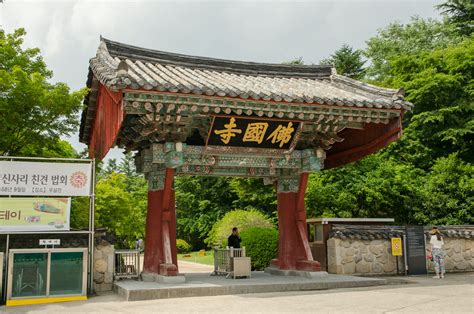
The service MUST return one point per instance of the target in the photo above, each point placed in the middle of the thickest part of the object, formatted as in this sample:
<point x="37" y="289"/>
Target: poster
<point x="34" y="214"/>
<point x="45" y="178"/>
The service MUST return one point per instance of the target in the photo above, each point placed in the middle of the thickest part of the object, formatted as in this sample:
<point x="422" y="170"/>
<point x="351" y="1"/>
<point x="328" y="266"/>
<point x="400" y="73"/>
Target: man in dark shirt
<point x="234" y="239"/>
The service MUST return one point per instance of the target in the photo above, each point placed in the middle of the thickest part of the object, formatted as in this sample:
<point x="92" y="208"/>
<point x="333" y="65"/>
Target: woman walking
<point x="437" y="243"/>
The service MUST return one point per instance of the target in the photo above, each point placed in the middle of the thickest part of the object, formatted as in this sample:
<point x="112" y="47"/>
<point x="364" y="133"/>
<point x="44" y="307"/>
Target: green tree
<point x="448" y="193"/>
<point x="200" y="203"/>
<point x="253" y="194"/>
<point x="440" y="84"/>
<point x="347" y="61"/>
<point x="372" y="187"/>
<point x="33" y="112"/>
<point x="242" y="219"/>
<point x="459" y="13"/>
<point x="411" y="39"/>
<point x="121" y="211"/>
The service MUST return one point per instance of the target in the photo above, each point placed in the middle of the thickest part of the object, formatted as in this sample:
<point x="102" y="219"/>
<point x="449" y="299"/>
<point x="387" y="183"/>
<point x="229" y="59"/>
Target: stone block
<point x="458" y="257"/>
<point x="467" y="256"/>
<point x="376" y="242"/>
<point x="333" y="242"/>
<point x="469" y="244"/>
<point x="368" y="257"/>
<point x="108" y="250"/>
<point x="362" y="267"/>
<point x="349" y="268"/>
<point x="97" y="254"/>
<point x="110" y="263"/>
<point x="376" y="249"/>
<point x="448" y="264"/>
<point x="108" y="277"/>
<point x="357" y="258"/>
<point x="457" y="247"/>
<point x="100" y="266"/>
<point x="377" y="268"/>
<point x="103" y="287"/>
<point x="98" y="277"/>
<point x="350" y="252"/>
<point x="348" y="259"/>
<point x="346" y="244"/>
<point x="461" y="266"/>
<point x="363" y="248"/>
<point x="389" y="267"/>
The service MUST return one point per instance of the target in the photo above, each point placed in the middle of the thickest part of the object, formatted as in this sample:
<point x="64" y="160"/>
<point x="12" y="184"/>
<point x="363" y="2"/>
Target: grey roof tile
<point x="155" y="70"/>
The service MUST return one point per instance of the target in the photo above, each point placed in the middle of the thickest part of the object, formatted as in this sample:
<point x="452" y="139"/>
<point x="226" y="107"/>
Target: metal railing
<point x="126" y="264"/>
<point x="223" y="259"/>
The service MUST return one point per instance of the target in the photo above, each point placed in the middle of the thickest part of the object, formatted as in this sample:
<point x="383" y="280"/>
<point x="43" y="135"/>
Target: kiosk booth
<point x="41" y="259"/>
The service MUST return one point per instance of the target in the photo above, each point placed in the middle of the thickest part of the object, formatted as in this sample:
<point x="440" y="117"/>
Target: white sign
<point x="45" y="178"/>
<point x="49" y="241"/>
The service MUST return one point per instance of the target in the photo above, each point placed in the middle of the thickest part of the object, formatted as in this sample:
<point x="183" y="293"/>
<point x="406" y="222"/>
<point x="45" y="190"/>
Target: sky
<point x="68" y="32"/>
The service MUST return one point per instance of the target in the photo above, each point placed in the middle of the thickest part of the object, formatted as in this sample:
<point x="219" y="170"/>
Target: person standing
<point x="437" y="253"/>
<point x="234" y="239"/>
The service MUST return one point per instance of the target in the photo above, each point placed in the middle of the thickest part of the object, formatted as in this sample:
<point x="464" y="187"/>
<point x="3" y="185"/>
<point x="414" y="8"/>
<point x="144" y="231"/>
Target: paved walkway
<point x="454" y="294"/>
<point x="186" y="267"/>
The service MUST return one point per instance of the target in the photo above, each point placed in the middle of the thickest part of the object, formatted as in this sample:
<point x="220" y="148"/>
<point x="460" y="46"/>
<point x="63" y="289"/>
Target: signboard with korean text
<point x="397" y="247"/>
<point x="249" y="132"/>
<point x="45" y="178"/>
<point x="34" y="214"/>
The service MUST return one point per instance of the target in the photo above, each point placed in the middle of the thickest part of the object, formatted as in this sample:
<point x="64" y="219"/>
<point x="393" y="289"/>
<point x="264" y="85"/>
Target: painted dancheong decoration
<point x="188" y="115"/>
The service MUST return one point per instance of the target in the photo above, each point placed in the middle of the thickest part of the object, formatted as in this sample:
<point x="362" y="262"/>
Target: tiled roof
<point x="120" y="66"/>
<point x="372" y="232"/>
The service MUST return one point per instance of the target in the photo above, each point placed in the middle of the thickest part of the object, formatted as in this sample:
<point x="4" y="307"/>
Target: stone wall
<point x="459" y="255"/>
<point x="353" y="256"/>
<point x="103" y="266"/>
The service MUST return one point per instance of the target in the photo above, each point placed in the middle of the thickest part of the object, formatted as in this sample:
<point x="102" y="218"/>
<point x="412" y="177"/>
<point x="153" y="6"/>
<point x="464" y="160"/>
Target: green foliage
<point x="347" y="61"/>
<point x="182" y="246"/>
<point x="372" y="187"/>
<point x="459" y="13"/>
<point x="242" y="219"/>
<point x="122" y="211"/>
<point x="200" y="203"/>
<point x="406" y="40"/>
<point x="252" y="193"/>
<point x="440" y="84"/>
<point x="261" y="245"/>
<point x="33" y="112"/>
<point x="448" y="193"/>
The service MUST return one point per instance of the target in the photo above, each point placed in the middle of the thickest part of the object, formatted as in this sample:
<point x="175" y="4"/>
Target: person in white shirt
<point x="437" y="243"/>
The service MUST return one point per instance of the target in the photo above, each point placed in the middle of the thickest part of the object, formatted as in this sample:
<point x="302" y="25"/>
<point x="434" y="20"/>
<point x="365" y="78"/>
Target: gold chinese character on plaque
<point x="282" y="134"/>
<point x="255" y="132"/>
<point x="228" y="132"/>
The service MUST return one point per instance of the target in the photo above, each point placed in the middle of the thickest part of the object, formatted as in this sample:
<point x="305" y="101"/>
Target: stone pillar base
<point x="168" y="270"/>
<point x="148" y="277"/>
<point x="301" y="265"/>
<point x="292" y="272"/>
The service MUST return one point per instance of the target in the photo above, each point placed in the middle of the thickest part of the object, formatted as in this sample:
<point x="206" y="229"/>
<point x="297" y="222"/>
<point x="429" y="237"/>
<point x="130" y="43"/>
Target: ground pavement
<point x="454" y="294"/>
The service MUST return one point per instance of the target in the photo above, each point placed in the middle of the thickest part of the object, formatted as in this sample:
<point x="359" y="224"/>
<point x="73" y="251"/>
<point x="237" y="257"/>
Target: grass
<point x="194" y="257"/>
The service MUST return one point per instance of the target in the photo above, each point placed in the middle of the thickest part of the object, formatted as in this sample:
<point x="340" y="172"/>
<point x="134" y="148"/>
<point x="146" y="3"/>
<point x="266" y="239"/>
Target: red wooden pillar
<point x="293" y="248"/>
<point x="160" y="231"/>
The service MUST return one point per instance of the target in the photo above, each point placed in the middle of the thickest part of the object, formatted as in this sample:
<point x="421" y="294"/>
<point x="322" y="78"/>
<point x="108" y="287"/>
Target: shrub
<point x="242" y="219"/>
<point x="183" y="246"/>
<point x="261" y="245"/>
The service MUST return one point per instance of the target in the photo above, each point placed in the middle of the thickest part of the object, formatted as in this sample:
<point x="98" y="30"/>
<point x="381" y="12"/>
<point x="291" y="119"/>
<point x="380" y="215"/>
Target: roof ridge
<point x="117" y="49"/>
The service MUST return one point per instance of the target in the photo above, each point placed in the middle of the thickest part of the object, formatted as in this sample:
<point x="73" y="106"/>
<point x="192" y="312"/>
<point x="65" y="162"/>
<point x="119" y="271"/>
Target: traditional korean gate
<point x="187" y="115"/>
